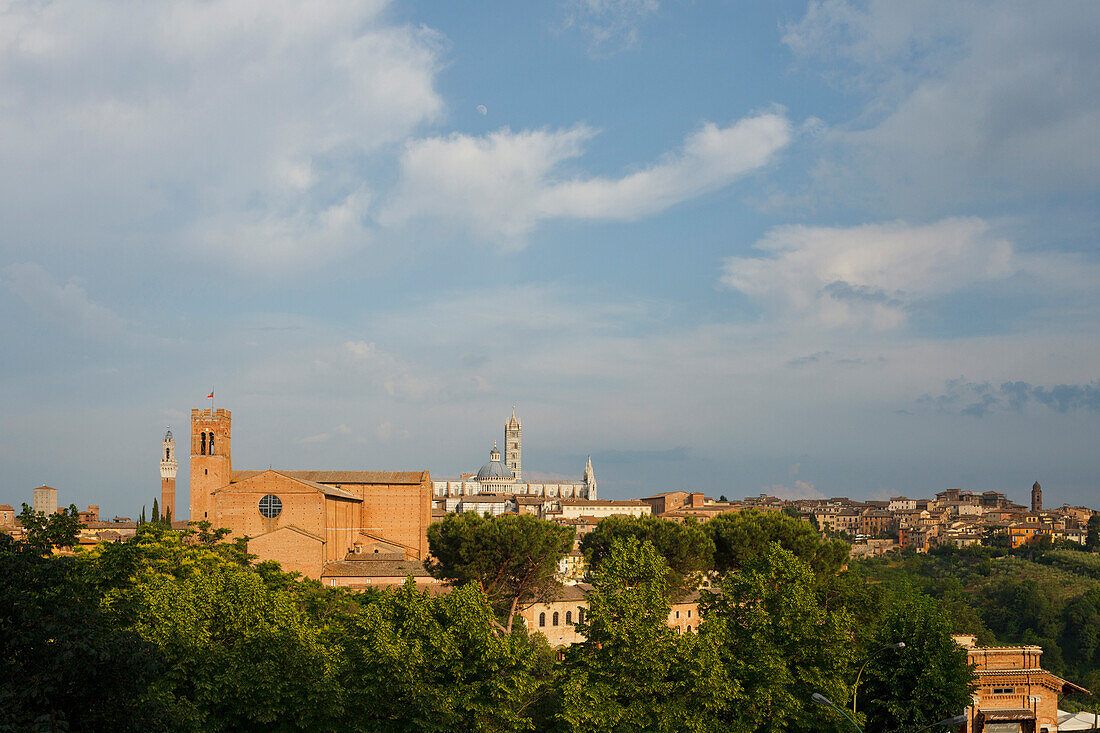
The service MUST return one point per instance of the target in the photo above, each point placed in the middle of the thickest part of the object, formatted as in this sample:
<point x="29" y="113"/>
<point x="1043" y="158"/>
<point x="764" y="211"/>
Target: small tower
<point x="211" y="464"/>
<point x="168" y="466"/>
<point x="1036" y="497"/>
<point x="590" y="480"/>
<point x="513" y="446"/>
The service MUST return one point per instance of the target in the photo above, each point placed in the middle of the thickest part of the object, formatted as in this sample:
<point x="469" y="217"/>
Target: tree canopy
<point x="48" y="532"/>
<point x="739" y="537"/>
<point x="514" y="558"/>
<point x="685" y="548"/>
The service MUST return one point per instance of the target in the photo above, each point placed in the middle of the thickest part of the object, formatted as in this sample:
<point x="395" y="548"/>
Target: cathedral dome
<point x="494" y="469"/>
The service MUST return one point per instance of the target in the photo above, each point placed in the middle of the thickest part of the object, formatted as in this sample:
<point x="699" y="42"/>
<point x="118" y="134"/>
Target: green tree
<point x="929" y="680"/>
<point x="46" y="533"/>
<point x="156" y="512"/>
<point x="418" y="662"/>
<point x="1092" y="538"/>
<point x="513" y="557"/>
<point x="780" y="643"/>
<point x="63" y="664"/>
<point x="738" y="537"/>
<point x="633" y="671"/>
<point x="686" y="548"/>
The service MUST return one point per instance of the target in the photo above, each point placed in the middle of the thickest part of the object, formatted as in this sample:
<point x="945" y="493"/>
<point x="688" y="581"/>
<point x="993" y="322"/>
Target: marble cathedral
<point x="506" y="477"/>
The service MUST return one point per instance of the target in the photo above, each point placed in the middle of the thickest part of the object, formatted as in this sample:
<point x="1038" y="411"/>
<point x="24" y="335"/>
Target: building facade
<point x="305" y="519"/>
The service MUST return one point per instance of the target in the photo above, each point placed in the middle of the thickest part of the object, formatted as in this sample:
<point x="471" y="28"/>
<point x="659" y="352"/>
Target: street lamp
<point x="855" y="687"/>
<point x="946" y="723"/>
<point x="822" y="700"/>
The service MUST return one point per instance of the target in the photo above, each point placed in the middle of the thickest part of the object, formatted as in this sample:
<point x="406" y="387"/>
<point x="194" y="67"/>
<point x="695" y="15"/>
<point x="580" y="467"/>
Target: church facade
<point x="506" y="476"/>
<point x="306" y="520"/>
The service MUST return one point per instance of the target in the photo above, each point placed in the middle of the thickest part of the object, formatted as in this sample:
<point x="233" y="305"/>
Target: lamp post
<point x="946" y="723"/>
<point x="822" y="700"/>
<point x="855" y="687"/>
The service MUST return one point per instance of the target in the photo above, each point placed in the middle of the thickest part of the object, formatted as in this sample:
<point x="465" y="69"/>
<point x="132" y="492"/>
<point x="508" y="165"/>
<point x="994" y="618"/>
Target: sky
<point x="811" y="249"/>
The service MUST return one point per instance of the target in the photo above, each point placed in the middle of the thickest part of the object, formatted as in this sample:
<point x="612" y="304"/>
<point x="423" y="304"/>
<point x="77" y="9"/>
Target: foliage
<point x="929" y="680"/>
<point x="46" y="533"/>
<point x="513" y="558"/>
<point x="780" y="643"/>
<point x="62" y="662"/>
<point x="1092" y="538"/>
<point x="739" y="537"/>
<point x="633" y="672"/>
<point x="686" y="548"/>
<point x="417" y="662"/>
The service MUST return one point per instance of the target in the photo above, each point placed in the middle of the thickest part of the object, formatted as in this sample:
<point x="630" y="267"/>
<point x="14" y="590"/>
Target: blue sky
<point x="826" y="248"/>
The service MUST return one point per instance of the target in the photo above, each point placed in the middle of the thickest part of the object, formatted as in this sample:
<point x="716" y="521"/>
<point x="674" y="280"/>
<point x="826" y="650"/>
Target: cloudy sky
<point x="825" y="248"/>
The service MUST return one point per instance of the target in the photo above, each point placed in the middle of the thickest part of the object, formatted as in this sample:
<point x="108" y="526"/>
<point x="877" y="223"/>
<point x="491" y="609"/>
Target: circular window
<point x="271" y="506"/>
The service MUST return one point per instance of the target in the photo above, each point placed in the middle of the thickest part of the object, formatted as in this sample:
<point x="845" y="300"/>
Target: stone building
<point x="1036" y="497"/>
<point x="305" y="519"/>
<point x="168" y="468"/>
<point x="1015" y="694"/>
<point x="505" y="476"/>
<point x="45" y="499"/>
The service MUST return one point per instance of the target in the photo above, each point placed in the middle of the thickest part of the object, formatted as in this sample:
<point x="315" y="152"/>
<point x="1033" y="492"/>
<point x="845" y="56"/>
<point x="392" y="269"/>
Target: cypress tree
<point x="141" y="519"/>
<point x="156" y="512"/>
<point x="168" y="517"/>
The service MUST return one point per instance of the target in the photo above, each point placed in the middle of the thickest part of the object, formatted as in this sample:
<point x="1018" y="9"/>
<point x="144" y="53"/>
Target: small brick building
<point x="1015" y="694"/>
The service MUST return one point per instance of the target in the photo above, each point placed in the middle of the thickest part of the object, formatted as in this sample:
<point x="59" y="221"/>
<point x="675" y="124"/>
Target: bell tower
<point x="168" y="466"/>
<point x="1036" y="497"/>
<point x="211" y="465"/>
<point x="513" y="446"/>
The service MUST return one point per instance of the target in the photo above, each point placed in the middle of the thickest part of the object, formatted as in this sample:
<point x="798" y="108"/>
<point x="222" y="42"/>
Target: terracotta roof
<point x="109" y="525"/>
<point x="667" y="493"/>
<point x="294" y="476"/>
<point x="347" y="477"/>
<point x="7" y="508"/>
<point x="374" y="568"/>
<point x="601" y="502"/>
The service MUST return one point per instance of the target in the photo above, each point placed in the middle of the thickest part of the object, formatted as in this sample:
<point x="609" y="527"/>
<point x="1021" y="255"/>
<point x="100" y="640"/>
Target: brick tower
<point x="1036" y="497"/>
<point x="168" y="466"/>
<point x="513" y="446"/>
<point x="211" y="465"/>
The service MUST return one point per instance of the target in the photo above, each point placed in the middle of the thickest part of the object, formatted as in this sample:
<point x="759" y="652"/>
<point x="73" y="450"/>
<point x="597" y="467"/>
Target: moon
<point x="482" y="110"/>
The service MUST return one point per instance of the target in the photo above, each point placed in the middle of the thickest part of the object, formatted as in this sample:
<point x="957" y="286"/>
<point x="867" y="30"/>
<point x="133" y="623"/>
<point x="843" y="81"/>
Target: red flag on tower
<point x="210" y="396"/>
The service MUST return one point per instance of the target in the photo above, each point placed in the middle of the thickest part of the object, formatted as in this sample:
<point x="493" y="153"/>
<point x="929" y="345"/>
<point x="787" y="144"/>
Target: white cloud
<point x="963" y="104"/>
<point x="66" y="303"/>
<point x="243" y="123"/>
<point x="800" y="490"/>
<point x="868" y="276"/>
<point x="610" y="25"/>
<point x="502" y="185"/>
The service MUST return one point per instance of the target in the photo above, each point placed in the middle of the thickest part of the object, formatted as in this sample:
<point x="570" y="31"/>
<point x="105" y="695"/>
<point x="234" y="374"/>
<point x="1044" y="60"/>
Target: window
<point x="210" y="443"/>
<point x="677" y="614"/>
<point x="689" y="628"/>
<point x="555" y="618"/>
<point x="1004" y="690"/>
<point x="202" y="444"/>
<point x="689" y="614"/>
<point x="271" y="506"/>
<point x="568" y="618"/>
<point x="580" y="615"/>
<point x="542" y="619"/>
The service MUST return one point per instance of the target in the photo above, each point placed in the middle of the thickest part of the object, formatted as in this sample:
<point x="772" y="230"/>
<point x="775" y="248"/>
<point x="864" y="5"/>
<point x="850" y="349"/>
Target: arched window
<point x="689" y="628"/>
<point x="580" y="615"/>
<point x="555" y="618"/>
<point x="568" y="618"/>
<point x="202" y="446"/>
<point x="211" y="446"/>
<point x="167" y="453"/>
<point x="542" y="619"/>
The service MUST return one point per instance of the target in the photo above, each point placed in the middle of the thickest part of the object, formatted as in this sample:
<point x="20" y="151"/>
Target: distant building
<point x="1036" y="497"/>
<point x="168" y="467"/>
<point x="506" y="476"/>
<point x="45" y="499"/>
<point x="7" y="516"/>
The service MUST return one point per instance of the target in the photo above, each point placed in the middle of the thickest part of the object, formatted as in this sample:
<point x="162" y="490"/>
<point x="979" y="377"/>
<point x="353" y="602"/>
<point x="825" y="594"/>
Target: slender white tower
<point x="513" y="446"/>
<point x="168" y="466"/>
